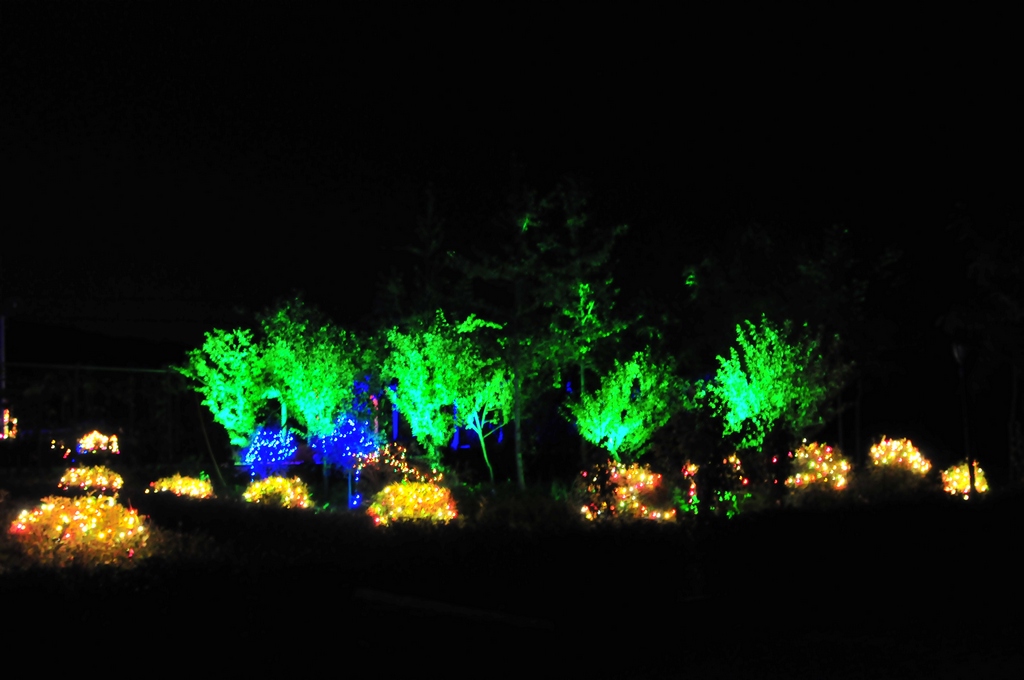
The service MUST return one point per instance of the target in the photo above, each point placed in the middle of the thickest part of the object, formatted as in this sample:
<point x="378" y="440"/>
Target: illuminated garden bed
<point x="182" y="486"/>
<point x="407" y="501"/>
<point x="94" y="478"/>
<point x="279" y="491"/>
<point x="89" y="531"/>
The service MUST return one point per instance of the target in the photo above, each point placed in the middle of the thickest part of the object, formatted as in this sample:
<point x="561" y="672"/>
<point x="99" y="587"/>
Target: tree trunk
<point x="858" y="454"/>
<point x="839" y="421"/>
<point x="483" y="447"/>
<point x="1013" y="427"/>
<point x="206" y="438"/>
<point x="520" y="475"/>
<point x="583" y="442"/>
<point x="967" y="443"/>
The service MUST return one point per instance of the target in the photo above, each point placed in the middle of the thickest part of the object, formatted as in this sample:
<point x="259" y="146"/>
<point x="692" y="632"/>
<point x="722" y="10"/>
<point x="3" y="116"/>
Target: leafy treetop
<point x="635" y="399"/>
<point x="771" y="377"/>
<point x="228" y="372"/>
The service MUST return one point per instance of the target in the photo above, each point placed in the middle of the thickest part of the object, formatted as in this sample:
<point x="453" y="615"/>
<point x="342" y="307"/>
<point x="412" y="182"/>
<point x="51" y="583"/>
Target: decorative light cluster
<point x="818" y="464"/>
<point x="349" y="441"/>
<point x="10" y="425"/>
<point x="92" y="478"/>
<point x="287" y="493"/>
<point x="183" y="486"/>
<point x="736" y="466"/>
<point x="689" y="501"/>
<point x="412" y="500"/>
<point x="94" y="442"/>
<point x="270" y="450"/>
<point x="391" y="460"/>
<point x="899" y="453"/>
<point x="88" y="530"/>
<point x="957" y="480"/>
<point x="630" y="486"/>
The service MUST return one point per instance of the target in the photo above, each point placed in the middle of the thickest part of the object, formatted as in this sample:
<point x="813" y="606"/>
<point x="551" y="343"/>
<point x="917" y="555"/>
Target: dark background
<point x="170" y="168"/>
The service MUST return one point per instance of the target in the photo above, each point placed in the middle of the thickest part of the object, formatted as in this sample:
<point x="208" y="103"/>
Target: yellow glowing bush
<point x="412" y="500"/>
<point x="87" y="531"/>
<point x="94" y="442"/>
<point x="92" y="478"/>
<point x="183" y="486"/>
<point x="899" y="453"/>
<point x="957" y="480"/>
<point x="819" y="464"/>
<point x="8" y="425"/>
<point x="616" y="490"/>
<point x="287" y="493"/>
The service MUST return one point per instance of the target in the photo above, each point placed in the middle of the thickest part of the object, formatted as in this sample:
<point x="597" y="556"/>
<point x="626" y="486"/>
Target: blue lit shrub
<point x="270" y="452"/>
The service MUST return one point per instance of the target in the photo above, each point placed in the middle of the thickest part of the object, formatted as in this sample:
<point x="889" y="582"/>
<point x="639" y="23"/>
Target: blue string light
<point x="269" y="452"/>
<point x="350" y="440"/>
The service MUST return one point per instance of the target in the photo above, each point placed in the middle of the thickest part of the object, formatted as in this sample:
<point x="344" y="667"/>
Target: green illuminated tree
<point x="311" y="364"/>
<point x="578" y="294"/>
<point x="578" y="329"/>
<point x="635" y="399"/>
<point x="418" y="360"/>
<point x="485" y="396"/>
<point x="228" y="371"/>
<point x="822" y="275"/>
<point x="772" y="377"/>
<point x="444" y="368"/>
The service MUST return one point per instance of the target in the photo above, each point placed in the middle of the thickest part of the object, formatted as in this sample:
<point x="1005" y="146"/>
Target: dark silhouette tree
<point x="985" y="321"/>
<point x="425" y="272"/>
<point x="546" y="278"/>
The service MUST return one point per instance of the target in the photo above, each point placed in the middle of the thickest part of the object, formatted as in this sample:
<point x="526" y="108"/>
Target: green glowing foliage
<point x="443" y="368"/>
<point x="228" y="372"/>
<point x="312" y="364"/>
<point x="484" y="388"/>
<point x="771" y="377"/>
<point x="579" y="328"/>
<point x="635" y="399"/>
<point x="419" y="361"/>
<point x="301" y="360"/>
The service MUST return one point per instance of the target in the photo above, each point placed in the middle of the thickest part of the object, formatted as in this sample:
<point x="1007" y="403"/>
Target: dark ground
<point x="929" y="589"/>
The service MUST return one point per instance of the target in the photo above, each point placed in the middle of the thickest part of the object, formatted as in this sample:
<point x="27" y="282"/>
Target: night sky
<point x="170" y="168"/>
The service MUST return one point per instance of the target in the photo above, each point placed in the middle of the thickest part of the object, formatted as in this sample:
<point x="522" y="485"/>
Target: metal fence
<point x="156" y="416"/>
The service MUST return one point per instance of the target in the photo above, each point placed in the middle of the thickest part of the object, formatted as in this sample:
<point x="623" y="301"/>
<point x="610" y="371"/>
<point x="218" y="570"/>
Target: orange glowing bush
<point x="286" y="493"/>
<point x="86" y="531"/>
<point x="619" y="491"/>
<point x="412" y="501"/>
